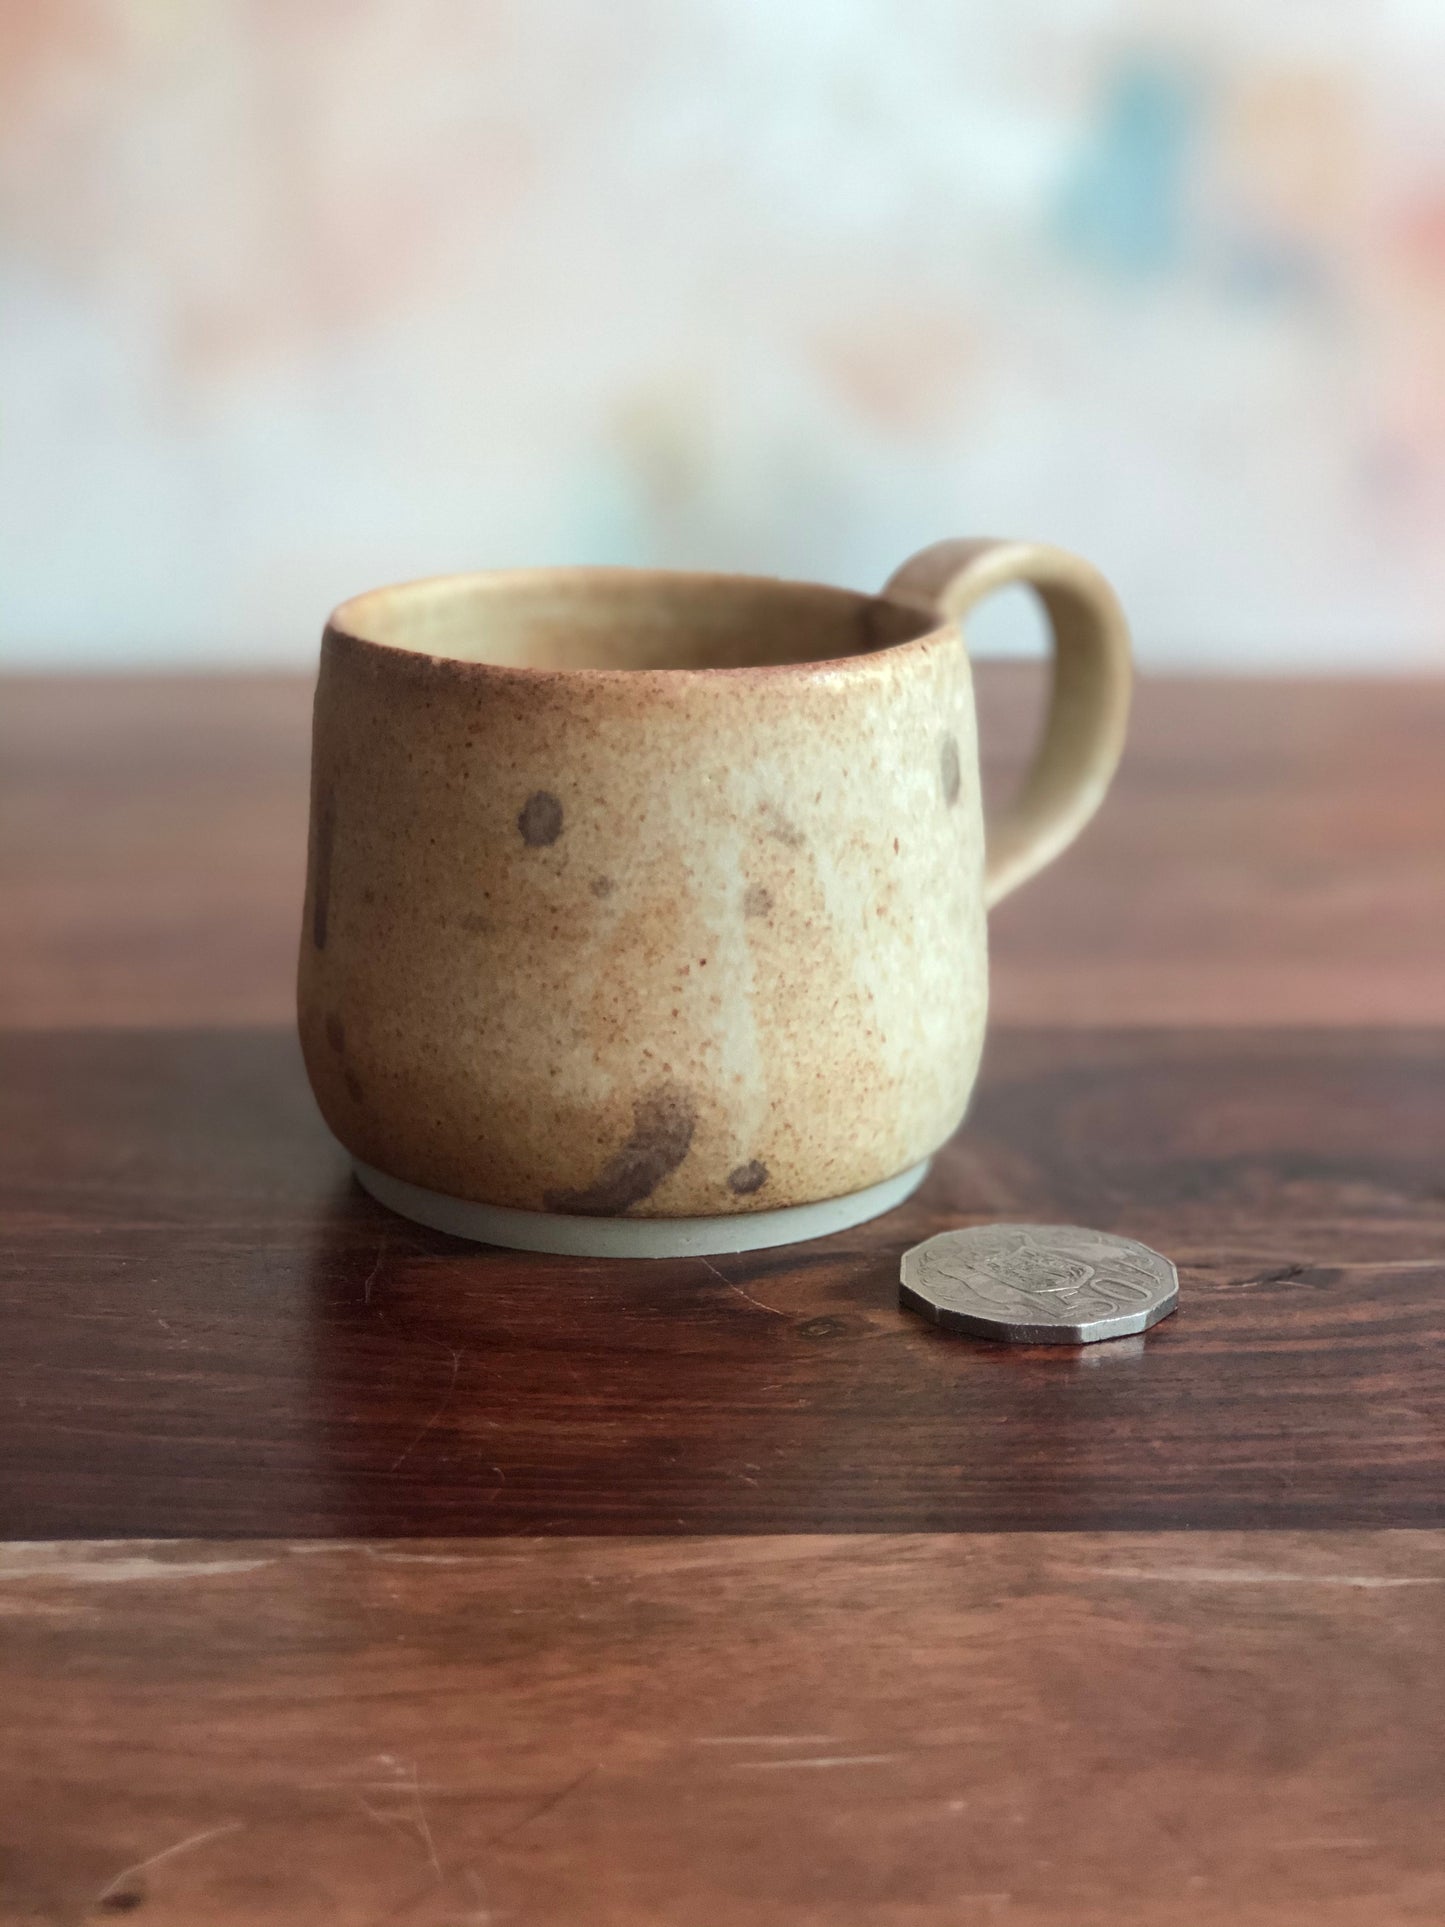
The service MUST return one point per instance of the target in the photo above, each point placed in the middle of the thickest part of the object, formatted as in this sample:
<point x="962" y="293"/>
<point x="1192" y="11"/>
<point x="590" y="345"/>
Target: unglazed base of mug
<point x="578" y="1237"/>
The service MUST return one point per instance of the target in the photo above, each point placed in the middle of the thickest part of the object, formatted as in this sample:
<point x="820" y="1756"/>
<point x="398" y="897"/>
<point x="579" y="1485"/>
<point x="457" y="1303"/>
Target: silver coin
<point x="1039" y="1284"/>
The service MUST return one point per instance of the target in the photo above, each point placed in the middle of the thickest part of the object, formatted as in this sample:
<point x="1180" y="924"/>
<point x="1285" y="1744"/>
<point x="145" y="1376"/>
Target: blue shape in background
<point x="1124" y="206"/>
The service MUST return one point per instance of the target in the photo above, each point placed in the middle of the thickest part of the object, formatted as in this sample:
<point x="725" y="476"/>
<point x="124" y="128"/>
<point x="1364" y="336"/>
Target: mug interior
<point x="628" y="619"/>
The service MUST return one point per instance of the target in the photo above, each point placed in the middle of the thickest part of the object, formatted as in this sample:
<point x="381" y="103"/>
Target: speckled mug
<point x="645" y="912"/>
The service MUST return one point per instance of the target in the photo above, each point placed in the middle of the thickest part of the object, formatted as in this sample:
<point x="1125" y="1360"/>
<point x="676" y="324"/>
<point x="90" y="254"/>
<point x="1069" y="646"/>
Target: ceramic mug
<point x="645" y="911"/>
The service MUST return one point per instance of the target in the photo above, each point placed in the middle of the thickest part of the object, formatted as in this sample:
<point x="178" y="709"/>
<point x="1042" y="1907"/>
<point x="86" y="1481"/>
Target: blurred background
<point x="303" y="295"/>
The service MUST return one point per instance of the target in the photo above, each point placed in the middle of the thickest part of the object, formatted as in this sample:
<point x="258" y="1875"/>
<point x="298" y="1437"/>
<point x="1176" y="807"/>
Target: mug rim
<point x="340" y="624"/>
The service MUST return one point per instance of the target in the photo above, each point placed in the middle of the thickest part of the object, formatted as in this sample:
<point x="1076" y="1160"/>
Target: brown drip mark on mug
<point x="663" y="1121"/>
<point x="540" y="820"/>
<point x="325" y="839"/>
<point x="949" y="770"/>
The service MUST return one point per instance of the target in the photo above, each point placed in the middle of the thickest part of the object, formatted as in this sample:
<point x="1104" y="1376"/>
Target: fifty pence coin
<point x="1038" y="1284"/>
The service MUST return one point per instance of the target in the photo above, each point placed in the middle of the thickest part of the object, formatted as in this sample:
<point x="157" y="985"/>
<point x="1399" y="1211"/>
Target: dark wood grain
<point x="1228" y="1730"/>
<point x="1270" y="854"/>
<point x="210" y="1331"/>
<point x="152" y="842"/>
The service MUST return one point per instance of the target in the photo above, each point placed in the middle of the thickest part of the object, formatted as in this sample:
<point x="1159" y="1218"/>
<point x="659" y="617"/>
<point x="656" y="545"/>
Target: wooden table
<point x="352" y="1574"/>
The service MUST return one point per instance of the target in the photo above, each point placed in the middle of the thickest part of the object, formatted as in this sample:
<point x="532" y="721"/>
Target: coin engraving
<point x="1039" y="1284"/>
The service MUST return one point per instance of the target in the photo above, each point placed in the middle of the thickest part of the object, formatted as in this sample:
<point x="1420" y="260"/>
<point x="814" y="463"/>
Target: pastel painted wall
<point x="301" y="295"/>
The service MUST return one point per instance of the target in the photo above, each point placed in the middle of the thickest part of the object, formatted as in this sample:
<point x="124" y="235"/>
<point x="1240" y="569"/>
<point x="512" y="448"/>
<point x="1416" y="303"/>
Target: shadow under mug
<point x="646" y="911"/>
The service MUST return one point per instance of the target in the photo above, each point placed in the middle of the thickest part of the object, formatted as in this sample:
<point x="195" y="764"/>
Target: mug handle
<point x="1088" y="705"/>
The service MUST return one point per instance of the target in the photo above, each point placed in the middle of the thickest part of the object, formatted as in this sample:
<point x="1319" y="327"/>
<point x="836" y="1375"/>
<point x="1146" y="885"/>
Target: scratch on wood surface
<point x="768" y="1739"/>
<point x="187" y="1845"/>
<point x="370" y="1279"/>
<point x="1243" y="1576"/>
<point x="549" y="1805"/>
<point x="421" y="1819"/>
<point x="565" y="1360"/>
<point x="772" y="1309"/>
<point x="402" y="1457"/>
<point x="826" y="1759"/>
<point x="392" y="1820"/>
<point x="1338" y="1843"/>
<point x="1286" y="1274"/>
<point x="413" y="1824"/>
<point x="1389" y="1264"/>
<point x="389" y="1556"/>
<point x="36" y="1562"/>
<point x="482" y="1916"/>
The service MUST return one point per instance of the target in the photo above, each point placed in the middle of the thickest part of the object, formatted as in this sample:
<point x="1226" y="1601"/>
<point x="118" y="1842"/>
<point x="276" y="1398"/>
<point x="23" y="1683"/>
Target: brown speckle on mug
<point x="540" y="820"/>
<point x="747" y="1178"/>
<point x="781" y="829"/>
